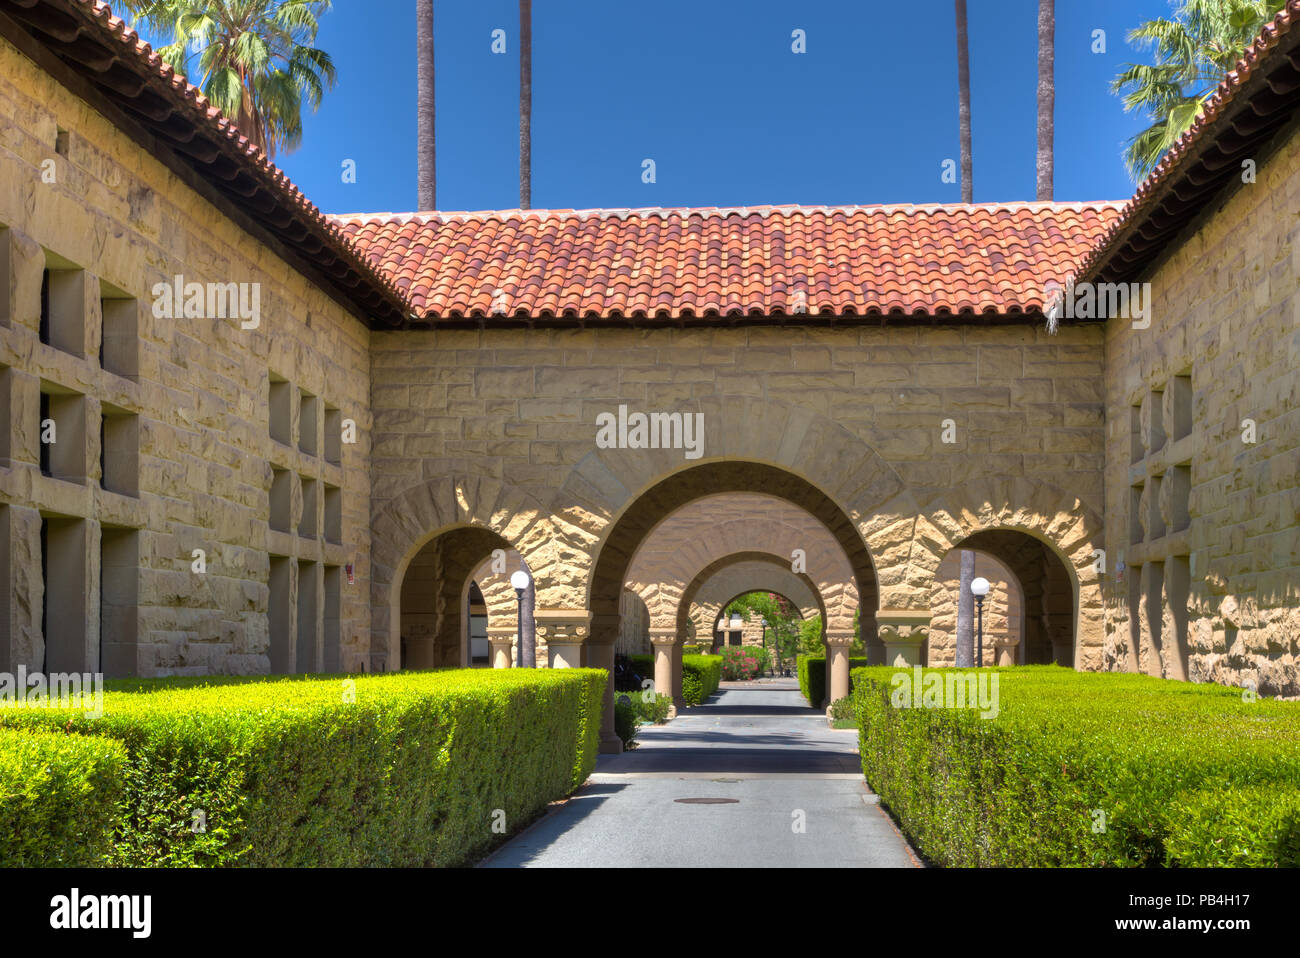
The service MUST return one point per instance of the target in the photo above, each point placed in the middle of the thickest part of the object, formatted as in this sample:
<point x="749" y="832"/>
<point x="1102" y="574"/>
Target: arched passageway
<point x="1003" y="614"/>
<point x="669" y="617"/>
<point x="1048" y="592"/>
<point x="435" y="592"/>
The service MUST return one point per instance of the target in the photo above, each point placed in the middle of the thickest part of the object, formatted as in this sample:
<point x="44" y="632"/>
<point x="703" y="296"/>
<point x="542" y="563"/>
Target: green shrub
<point x="843" y="713"/>
<point x="1256" y="827"/>
<point x="59" y="798"/>
<point x="700" y="677"/>
<point x="700" y="674"/>
<point x="401" y="769"/>
<point x="812" y="677"/>
<point x="1094" y="769"/>
<point x="626" y="723"/>
<point x="654" y="709"/>
<point x="695" y="648"/>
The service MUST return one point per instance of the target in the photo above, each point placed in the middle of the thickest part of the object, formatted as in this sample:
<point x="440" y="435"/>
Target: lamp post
<point x="979" y="588"/>
<point x="763" y="621"/>
<point x="521" y="582"/>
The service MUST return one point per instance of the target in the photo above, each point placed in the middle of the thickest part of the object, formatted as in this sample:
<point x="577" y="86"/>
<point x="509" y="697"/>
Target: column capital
<point x="663" y="636"/>
<point x="837" y="638"/>
<point x="903" y="632"/>
<point x="562" y="626"/>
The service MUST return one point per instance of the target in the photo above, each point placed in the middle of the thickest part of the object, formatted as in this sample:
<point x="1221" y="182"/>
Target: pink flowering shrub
<point x="740" y="663"/>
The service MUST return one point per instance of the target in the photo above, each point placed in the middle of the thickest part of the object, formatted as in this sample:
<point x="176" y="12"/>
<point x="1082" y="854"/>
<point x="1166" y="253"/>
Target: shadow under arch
<point x="1048" y="591"/>
<point x="430" y="597"/>
<point x="660" y="500"/>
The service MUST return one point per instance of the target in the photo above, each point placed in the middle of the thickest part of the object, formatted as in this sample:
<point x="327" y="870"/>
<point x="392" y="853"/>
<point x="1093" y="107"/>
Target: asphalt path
<point x="792" y="796"/>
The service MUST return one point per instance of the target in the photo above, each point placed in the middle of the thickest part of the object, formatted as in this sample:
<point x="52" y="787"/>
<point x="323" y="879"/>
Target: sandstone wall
<point x="1205" y="520"/>
<point x="189" y="447"/>
<point x="498" y="427"/>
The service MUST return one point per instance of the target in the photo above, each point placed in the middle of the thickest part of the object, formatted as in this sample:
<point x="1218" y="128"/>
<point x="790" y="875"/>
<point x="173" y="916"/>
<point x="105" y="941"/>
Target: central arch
<point x="657" y="503"/>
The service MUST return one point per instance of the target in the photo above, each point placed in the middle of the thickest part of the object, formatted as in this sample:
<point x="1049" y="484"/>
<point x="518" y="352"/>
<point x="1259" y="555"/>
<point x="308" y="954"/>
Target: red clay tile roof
<point x="681" y="263"/>
<point x="1250" y="105"/>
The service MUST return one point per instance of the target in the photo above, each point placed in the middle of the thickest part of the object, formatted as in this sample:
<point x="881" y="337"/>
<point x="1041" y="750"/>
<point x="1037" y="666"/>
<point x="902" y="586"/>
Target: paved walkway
<point x="759" y="745"/>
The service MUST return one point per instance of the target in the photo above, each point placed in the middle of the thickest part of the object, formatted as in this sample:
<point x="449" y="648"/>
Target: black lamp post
<point x="979" y="588"/>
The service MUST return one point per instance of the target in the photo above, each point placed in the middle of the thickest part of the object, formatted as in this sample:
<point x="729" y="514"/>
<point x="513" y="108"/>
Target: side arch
<point x="1065" y="526"/>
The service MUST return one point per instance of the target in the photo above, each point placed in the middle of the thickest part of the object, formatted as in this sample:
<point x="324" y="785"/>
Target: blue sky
<point x="711" y="91"/>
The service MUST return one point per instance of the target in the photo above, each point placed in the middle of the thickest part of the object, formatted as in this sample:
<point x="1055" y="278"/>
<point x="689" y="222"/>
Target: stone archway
<point x="744" y="574"/>
<point x="433" y="597"/>
<point x="421" y="514"/>
<point x="687" y="485"/>
<point x="1056" y="530"/>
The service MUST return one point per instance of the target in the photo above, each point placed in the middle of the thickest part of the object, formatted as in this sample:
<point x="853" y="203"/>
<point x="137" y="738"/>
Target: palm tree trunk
<point x="965" y="651"/>
<point x="1046" y="96"/>
<point x="963" y="101"/>
<point x="427" y="185"/>
<point x="525" y="104"/>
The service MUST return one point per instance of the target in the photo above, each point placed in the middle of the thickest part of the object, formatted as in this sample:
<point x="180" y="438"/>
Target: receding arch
<point x="714" y="574"/>
<point x="687" y="485"/>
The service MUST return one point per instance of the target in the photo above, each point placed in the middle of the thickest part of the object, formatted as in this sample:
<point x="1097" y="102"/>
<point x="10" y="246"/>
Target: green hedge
<point x="395" y="770"/>
<point x="1256" y="827"/>
<point x="1094" y="769"/>
<point x="700" y="674"/>
<point x="812" y="677"/>
<point x="59" y="798"/>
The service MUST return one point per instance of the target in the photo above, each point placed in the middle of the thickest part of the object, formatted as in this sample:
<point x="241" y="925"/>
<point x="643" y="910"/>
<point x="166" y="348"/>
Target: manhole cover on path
<point x="707" y="801"/>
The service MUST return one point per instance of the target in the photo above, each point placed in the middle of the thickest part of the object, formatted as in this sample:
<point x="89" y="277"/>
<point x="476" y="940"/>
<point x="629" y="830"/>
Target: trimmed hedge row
<point x="812" y="677"/>
<point x="700" y="674"/>
<point x="1094" y="769"/>
<point x="1256" y="827"/>
<point x="59" y="798"/>
<point x="394" y="770"/>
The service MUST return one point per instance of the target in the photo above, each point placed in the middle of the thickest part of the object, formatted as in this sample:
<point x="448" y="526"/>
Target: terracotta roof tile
<point x="676" y="263"/>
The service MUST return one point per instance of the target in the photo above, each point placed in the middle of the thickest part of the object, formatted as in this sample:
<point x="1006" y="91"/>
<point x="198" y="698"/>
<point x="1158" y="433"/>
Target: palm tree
<point x="1193" y="51"/>
<point x="525" y="104"/>
<point x="255" y="60"/>
<point x="427" y="184"/>
<point x="965" y="650"/>
<point x="963" y="104"/>
<point x="1046" y="97"/>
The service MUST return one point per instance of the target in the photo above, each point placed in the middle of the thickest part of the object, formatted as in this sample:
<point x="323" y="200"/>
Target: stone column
<point x="565" y="631"/>
<point x="837" y="666"/>
<point x="903" y="633"/>
<point x="501" y="639"/>
<point x="679" y="702"/>
<point x="664" y="641"/>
